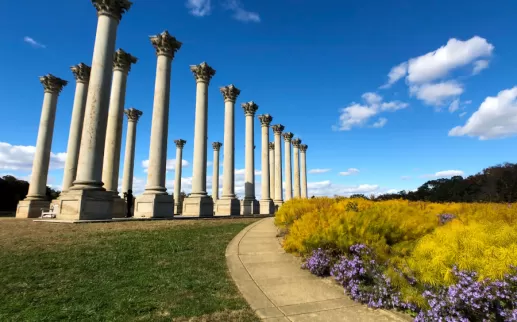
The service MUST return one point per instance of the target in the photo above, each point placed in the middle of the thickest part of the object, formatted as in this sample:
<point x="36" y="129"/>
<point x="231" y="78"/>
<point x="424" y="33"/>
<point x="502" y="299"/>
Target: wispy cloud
<point x="199" y="8"/>
<point x="349" y="172"/>
<point x="444" y="174"/>
<point x="319" y="170"/>
<point x="239" y="13"/>
<point x="33" y="42"/>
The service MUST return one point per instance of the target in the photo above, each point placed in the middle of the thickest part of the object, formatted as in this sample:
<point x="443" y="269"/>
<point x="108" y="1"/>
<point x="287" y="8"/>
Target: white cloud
<point x="437" y="94"/>
<point x="439" y="63"/>
<point x="496" y="117"/>
<point x="19" y="157"/>
<point x="316" y="171"/>
<point x="199" y="8"/>
<point x="170" y="165"/>
<point x="455" y="105"/>
<point x="349" y="172"/>
<point x="444" y="174"/>
<point x="239" y="13"/>
<point x="380" y="123"/>
<point x="479" y="65"/>
<point x="327" y="188"/>
<point x="356" y="115"/>
<point x="33" y="42"/>
<point x="462" y="114"/>
<point x="405" y="178"/>
<point x="395" y="74"/>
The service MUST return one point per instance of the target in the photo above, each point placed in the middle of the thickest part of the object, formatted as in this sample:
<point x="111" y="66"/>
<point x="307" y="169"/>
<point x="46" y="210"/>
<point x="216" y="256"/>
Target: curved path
<point x="277" y="289"/>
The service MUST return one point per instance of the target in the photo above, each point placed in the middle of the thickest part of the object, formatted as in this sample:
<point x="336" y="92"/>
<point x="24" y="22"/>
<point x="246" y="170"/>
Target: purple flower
<point x="318" y="263"/>
<point x="445" y="218"/>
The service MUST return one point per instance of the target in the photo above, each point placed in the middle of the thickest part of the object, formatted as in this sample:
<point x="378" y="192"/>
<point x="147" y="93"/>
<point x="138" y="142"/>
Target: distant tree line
<point x="13" y="190"/>
<point x="493" y="184"/>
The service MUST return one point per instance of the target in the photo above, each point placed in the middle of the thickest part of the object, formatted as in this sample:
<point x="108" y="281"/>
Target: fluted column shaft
<point x="230" y="94"/>
<point x="133" y="115"/>
<point x="277" y="129"/>
<point x="82" y="75"/>
<point x="177" y="178"/>
<point x="159" y="129"/>
<point x="111" y="164"/>
<point x="89" y="170"/>
<point x="288" y="173"/>
<point x="265" y="162"/>
<point x="40" y="165"/>
<point x="296" y="168"/>
<point x="249" y="177"/>
<point x="200" y="140"/>
<point x="272" y="169"/>
<point x="215" y="174"/>
<point x="303" y="166"/>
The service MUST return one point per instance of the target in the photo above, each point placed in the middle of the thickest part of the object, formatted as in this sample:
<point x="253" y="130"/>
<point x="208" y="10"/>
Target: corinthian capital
<point x="81" y="72"/>
<point x="249" y="108"/>
<point x="202" y="72"/>
<point x="303" y="148"/>
<point x="165" y="44"/>
<point x="133" y="115"/>
<point x="216" y="146"/>
<point x="288" y="136"/>
<point x="265" y="119"/>
<point x="278" y="128"/>
<point x="296" y="142"/>
<point x="122" y="61"/>
<point x="112" y="8"/>
<point x="271" y="145"/>
<point x="52" y="84"/>
<point x="230" y="93"/>
<point x="180" y="143"/>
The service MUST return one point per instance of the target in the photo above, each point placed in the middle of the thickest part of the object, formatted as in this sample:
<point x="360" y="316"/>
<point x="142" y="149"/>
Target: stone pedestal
<point x="31" y="208"/>
<point x="84" y="205"/>
<point x="228" y="207"/>
<point x="198" y="206"/>
<point x="250" y="207"/>
<point x="154" y="206"/>
<point x="119" y="207"/>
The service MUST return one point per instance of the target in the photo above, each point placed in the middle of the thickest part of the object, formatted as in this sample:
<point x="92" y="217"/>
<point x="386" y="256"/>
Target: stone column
<point x="266" y="203"/>
<point x="178" y="206"/>
<point x="199" y="204"/>
<point x="250" y="205"/>
<point x="82" y="77"/>
<point x="110" y="168"/>
<point x="133" y="115"/>
<point x="229" y="204"/>
<point x="87" y="199"/>
<point x="303" y="161"/>
<point x="288" y="175"/>
<point x="272" y="169"/>
<point x="278" y="199"/>
<point x="296" y="167"/>
<point x="155" y="202"/>
<point x="36" y="199"/>
<point x="215" y="175"/>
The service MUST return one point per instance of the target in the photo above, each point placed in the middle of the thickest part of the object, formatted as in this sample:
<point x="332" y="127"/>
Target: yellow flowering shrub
<point x="407" y="235"/>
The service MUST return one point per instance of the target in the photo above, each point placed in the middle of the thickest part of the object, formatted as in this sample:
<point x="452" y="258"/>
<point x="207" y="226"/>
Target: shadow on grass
<point x="119" y="272"/>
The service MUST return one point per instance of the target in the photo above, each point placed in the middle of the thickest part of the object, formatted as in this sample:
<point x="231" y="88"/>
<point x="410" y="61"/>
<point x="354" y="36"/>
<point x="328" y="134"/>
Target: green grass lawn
<point x="139" y="271"/>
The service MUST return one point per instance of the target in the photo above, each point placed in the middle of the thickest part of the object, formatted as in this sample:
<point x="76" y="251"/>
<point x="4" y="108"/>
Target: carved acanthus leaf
<point x="288" y="136"/>
<point x="81" y="72"/>
<point x="165" y="44"/>
<point x="202" y="72"/>
<point x="249" y="108"/>
<point x="278" y="128"/>
<point x="271" y="145"/>
<point x="180" y="143"/>
<point x="112" y="8"/>
<point x="303" y="148"/>
<point x="265" y="119"/>
<point x="230" y="92"/>
<point x="52" y="84"/>
<point x="296" y="142"/>
<point x="216" y="145"/>
<point x="123" y="60"/>
<point x="133" y="115"/>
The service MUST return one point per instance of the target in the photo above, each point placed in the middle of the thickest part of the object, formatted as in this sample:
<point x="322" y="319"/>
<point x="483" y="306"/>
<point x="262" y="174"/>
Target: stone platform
<point x="133" y="219"/>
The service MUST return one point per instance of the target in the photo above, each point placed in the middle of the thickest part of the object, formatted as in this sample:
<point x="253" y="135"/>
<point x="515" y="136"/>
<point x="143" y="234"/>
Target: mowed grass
<point x="132" y="271"/>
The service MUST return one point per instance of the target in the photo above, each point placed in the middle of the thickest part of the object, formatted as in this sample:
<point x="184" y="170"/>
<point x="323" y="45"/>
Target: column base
<point x="250" y="207"/>
<point x="228" y="207"/>
<point x="198" y="206"/>
<point x="84" y="205"/>
<point x="154" y="206"/>
<point x="31" y="208"/>
<point x="267" y="207"/>
<point x="278" y="204"/>
<point x="178" y="207"/>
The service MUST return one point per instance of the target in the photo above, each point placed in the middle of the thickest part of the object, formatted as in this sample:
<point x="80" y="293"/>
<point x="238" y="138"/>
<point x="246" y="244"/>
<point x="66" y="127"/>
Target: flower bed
<point x="450" y="262"/>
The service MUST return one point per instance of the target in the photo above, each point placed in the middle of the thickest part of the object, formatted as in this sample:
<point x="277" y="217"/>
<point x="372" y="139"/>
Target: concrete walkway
<point x="277" y="289"/>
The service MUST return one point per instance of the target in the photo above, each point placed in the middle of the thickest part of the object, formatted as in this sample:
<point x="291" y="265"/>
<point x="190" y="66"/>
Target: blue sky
<point x="387" y="94"/>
